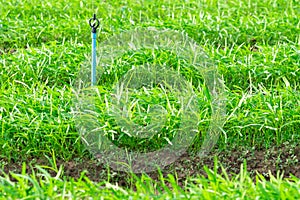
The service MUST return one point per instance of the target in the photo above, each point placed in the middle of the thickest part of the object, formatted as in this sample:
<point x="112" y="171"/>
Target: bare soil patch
<point x="284" y="159"/>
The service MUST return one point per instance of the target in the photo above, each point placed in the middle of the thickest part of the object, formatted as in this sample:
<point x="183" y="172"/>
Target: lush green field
<point x="255" y="46"/>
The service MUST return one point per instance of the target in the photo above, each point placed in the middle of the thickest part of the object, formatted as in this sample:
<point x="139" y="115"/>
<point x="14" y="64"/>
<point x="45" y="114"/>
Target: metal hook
<point x="94" y="23"/>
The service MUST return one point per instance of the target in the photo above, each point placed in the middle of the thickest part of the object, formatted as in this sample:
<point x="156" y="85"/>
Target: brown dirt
<point x="284" y="159"/>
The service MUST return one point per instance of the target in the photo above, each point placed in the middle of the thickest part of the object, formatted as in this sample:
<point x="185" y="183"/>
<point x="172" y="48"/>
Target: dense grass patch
<point x="254" y="44"/>
<point x="42" y="185"/>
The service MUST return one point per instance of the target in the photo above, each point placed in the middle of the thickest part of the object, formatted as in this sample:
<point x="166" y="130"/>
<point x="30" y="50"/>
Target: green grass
<point x="215" y="186"/>
<point x="254" y="44"/>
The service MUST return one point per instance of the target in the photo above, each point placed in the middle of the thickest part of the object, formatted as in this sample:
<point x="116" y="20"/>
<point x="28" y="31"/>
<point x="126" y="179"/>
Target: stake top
<point x="94" y="23"/>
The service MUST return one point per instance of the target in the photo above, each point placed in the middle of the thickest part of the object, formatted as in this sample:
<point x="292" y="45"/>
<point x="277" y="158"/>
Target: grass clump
<point x="215" y="185"/>
<point x="254" y="45"/>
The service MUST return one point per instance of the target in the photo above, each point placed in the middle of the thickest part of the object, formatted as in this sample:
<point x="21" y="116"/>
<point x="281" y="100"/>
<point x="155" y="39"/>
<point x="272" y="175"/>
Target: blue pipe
<point x="94" y="59"/>
<point x="94" y="24"/>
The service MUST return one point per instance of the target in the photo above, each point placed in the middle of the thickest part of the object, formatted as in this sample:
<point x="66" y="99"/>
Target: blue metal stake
<point x="94" y="24"/>
<point x="94" y="59"/>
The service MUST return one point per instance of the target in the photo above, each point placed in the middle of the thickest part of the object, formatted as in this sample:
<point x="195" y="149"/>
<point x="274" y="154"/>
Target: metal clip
<point x="94" y="23"/>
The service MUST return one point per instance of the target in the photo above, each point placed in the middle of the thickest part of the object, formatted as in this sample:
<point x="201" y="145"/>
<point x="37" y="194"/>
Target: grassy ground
<point x="255" y="46"/>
